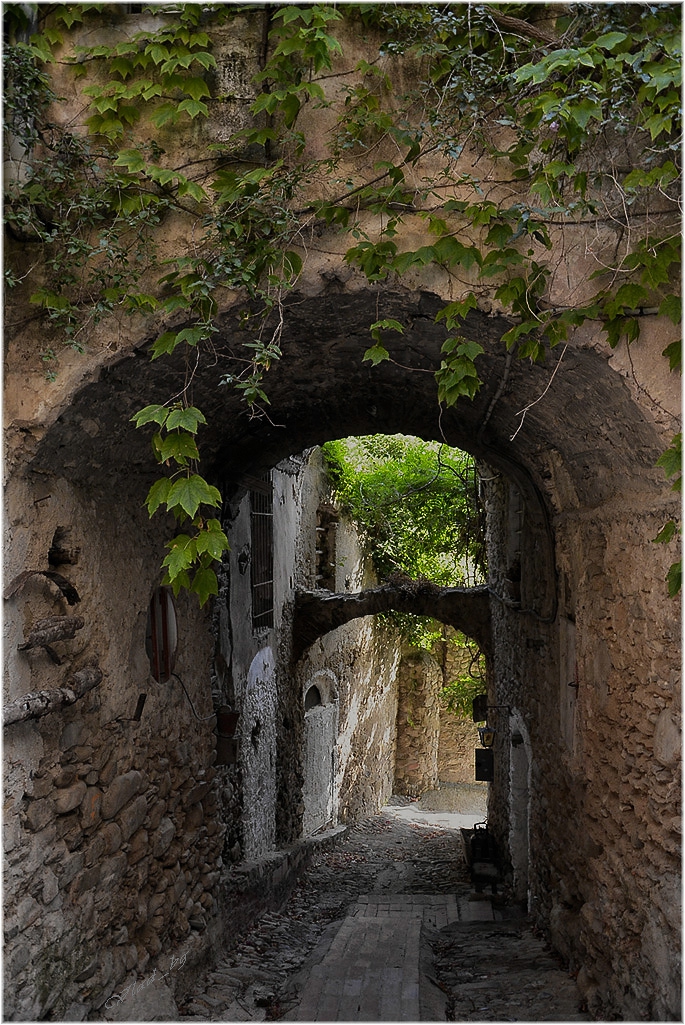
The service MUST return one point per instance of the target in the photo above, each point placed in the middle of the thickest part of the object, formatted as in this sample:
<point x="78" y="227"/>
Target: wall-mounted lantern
<point x="487" y="735"/>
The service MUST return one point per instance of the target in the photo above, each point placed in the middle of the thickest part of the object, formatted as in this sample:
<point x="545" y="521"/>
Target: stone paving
<point x="385" y="928"/>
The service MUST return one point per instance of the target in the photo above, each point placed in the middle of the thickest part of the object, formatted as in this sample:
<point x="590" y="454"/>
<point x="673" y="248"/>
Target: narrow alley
<point x="386" y="926"/>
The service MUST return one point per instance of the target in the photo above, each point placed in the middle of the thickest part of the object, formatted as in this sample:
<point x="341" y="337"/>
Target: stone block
<point x="28" y="910"/>
<point x="17" y="958"/>
<point x="139" y="847"/>
<point x="66" y="776"/>
<point x="132" y="817"/>
<point x="111" y="833"/>
<point x="194" y="818"/>
<point x="163" y="837"/>
<point x="69" y="798"/>
<point x="86" y="880"/>
<point x="120" y="792"/>
<point x="70" y="866"/>
<point x="144" y="1000"/>
<point x="108" y="772"/>
<point x="50" y="886"/>
<point x="39" y="813"/>
<point x="156" y="814"/>
<point x="667" y="740"/>
<point x="72" y="734"/>
<point x="197" y="793"/>
<point x="91" y="808"/>
<point x="112" y="871"/>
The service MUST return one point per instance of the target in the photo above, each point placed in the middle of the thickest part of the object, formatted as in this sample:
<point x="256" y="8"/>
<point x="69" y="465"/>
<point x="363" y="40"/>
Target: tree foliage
<point x="574" y="111"/>
<point x="416" y="503"/>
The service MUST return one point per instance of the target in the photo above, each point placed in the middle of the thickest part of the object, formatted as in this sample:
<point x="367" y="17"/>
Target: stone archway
<point x="577" y="484"/>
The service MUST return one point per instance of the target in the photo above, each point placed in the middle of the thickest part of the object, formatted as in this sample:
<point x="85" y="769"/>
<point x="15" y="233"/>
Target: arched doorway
<point x="319" y="752"/>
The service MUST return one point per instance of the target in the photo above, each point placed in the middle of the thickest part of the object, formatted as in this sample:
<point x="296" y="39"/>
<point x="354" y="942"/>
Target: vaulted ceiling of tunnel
<point x="321" y="389"/>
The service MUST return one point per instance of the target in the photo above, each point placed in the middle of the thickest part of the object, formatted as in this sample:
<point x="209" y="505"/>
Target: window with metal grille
<point x="262" y="561"/>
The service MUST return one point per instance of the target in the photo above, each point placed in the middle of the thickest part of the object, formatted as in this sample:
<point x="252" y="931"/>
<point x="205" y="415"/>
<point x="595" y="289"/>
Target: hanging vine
<point x="575" y="112"/>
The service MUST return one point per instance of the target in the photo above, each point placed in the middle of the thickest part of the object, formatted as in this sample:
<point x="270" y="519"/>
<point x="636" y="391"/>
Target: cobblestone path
<point x="385" y="928"/>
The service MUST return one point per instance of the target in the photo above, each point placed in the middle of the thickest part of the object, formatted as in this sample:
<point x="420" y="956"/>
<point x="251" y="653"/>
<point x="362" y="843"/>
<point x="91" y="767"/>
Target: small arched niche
<point x="312" y="698"/>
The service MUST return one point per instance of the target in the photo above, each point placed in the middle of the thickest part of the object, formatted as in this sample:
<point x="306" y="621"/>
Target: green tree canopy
<point x="416" y="503"/>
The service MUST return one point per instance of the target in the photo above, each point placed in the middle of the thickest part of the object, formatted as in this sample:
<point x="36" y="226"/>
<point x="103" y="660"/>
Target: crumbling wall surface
<point x="112" y="841"/>
<point x="365" y="658"/>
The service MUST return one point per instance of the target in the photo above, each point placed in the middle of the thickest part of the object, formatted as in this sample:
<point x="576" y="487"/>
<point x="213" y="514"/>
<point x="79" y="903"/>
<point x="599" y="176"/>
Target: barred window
<point x="262" y="561"/>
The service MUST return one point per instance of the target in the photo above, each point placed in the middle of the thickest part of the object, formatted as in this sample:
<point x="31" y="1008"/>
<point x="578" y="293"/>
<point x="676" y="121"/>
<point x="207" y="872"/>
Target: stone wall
<point x="111" y="827"/>
<point x="434" y="745"/>
<point x="418" y="723"/>
<point x="458" y="740"/>
<point x="601" y="746"/>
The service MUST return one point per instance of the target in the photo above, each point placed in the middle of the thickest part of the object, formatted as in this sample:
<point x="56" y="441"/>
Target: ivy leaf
<point x="151" y="414"/>
<point x="456" y="310"/>
<point x="188" y="419"/>
<point x="671" y="460"/>
<point x="182" y="552"/>
<point x="671" y="307"/>
<point x="674" y="578"/>
<point x="586" y="109"/>
<point x="212" y="540"/>
<point x="667" y="533"/>
<point x="131" y="159"/>
<point x="192" y="189"/>
<point x="451" y="251"/>
<point x="631" y="295"/>
<point x="385" y="325"/>
<point x="204" y="584"/>
<point x="158" y="493"/>
<point x="191" y="335"/>
<point x="177" y="583"/>
<point x="180" y="446"/>
<point x="292" y="263"/>
<point x="196" y="88"/>
<point x="165" y="344"/>
<point x="189" y="493"/>
<point x="673" y="354"/>
<point x="193" y="108"/>
<point x="610" y="40"/>
<point x="375" y="355"/>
